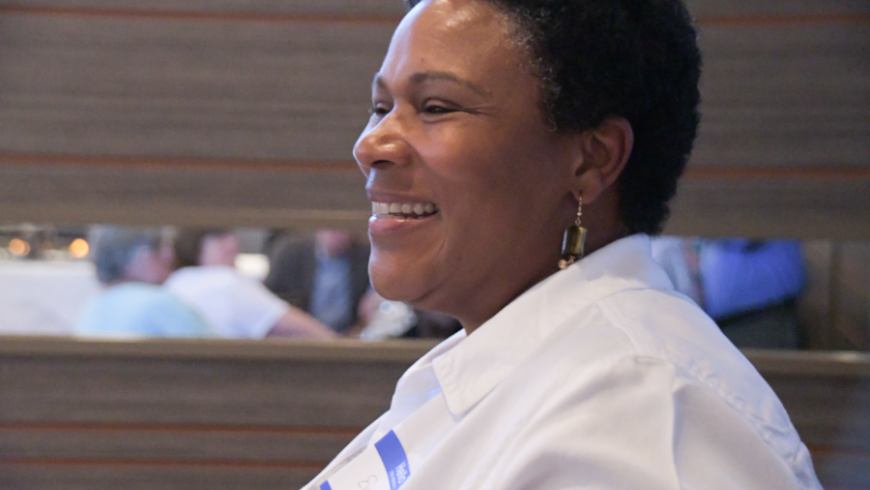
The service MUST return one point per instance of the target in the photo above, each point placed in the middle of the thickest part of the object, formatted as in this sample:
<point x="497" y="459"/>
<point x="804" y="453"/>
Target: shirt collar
<point x="469" y="370"/>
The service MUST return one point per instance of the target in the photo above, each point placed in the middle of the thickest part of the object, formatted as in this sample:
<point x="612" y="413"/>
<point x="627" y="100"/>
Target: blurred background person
<point x="749" y="287"/>
<point x="325" y="275"/>
<point x="235" y="305"/>
<point x="131" y="264"/>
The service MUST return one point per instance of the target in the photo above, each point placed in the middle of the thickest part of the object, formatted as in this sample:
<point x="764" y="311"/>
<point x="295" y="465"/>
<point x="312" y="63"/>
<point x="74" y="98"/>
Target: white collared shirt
<point x="602" y="377"/>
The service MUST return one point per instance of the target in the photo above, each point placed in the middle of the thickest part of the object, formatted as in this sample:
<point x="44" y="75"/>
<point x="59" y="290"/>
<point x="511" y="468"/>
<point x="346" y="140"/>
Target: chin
<point x="394" y="280"/>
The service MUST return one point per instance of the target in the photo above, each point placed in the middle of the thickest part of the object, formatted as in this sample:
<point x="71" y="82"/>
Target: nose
<point x="383" y="143"/>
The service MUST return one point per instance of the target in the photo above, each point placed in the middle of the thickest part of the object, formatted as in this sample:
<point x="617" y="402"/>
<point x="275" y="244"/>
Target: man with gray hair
<point x="131" y="264"/>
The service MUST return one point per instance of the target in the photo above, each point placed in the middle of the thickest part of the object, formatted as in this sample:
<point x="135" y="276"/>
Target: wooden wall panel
<point x="785" y="95"/>
<point x="778" y="204"/>
<point x="73" y="476"/>
<point x="161" y="443"/>
<point x="254" y="393"/>
<point x="306" y="195"/>
<point x="233" y="415"/>
<point x="814" y="304"/>
<point x="391" y="9"/>
<point x="850" y="297"/>
<point x="98" y="86"/>
<point x="772" y="11"/>
<point x="121" y="87"/>
<point x="705" y="10"/>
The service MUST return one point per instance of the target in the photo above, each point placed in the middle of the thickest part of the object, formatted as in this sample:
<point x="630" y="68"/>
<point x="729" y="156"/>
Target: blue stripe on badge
<point x="393" y="455"/>
<point x="325" y="486"/>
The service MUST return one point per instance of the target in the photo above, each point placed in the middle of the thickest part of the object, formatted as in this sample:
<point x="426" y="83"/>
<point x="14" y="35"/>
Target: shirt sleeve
<point x="639" y="426"/>
<point x="170" y="317"/>
<point x="256" y="309"/>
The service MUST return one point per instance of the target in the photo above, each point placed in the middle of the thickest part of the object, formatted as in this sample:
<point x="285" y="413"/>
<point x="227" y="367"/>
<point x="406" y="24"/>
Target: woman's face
<point x="470" y="189"/>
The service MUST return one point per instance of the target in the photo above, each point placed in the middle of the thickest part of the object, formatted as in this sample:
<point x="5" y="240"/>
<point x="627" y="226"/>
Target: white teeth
<point x="419" y="208"/>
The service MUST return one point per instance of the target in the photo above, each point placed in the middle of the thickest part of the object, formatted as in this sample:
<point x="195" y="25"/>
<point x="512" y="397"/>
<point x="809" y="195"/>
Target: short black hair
<point x="187" y="245"/>
<point x="637" y="59"/>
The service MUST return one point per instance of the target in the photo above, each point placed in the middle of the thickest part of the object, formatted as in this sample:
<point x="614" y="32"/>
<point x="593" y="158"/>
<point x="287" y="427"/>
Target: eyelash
<point x="437" y="109"/>
<point x="432" y="109"/>
<point x="378" y="111"/>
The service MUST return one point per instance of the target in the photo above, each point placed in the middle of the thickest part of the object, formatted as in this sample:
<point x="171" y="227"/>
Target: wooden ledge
<point x="342" y="350"/>
<point x="775" y="362"/>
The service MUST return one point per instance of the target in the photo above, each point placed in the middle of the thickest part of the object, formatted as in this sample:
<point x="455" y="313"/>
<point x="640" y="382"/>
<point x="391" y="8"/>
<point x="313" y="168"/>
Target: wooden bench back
<point x="204" y="415"/>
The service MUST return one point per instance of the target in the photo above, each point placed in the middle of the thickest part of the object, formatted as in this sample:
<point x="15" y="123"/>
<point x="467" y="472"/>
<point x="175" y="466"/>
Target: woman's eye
<point x="436" y="109"/>
<point x="379" y="110"/>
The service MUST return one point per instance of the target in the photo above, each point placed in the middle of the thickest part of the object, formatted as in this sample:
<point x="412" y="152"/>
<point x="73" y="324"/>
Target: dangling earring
<point x="574" y="240"/>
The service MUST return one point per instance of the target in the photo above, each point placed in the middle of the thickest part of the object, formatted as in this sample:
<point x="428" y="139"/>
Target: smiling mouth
<point x="405" y="210"/>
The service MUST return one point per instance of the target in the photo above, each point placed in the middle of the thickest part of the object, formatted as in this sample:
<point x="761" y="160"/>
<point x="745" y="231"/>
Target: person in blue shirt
<point x="749" y="287"/>
<point x="131" y="264"/>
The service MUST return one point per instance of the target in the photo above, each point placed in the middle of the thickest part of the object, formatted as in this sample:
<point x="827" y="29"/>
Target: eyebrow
<point x="422" y="77"/>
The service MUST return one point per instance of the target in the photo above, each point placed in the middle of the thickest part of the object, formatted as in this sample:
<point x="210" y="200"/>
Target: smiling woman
<point x="495" y="125"/>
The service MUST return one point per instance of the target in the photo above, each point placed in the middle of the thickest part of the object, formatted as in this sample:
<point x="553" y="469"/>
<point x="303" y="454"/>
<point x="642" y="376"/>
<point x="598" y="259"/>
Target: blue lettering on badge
<point x="325" y="486"/>
<point x="395" y="461"/>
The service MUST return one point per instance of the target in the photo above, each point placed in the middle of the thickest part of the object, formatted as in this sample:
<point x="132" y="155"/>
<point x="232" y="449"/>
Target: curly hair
<point x="637" y="59"/>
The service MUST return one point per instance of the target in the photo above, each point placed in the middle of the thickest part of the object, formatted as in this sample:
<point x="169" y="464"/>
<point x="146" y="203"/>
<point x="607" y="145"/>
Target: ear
<point x="603" y="152"/>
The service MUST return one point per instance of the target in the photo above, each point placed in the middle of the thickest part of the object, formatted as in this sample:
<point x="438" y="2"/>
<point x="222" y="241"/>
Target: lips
<point x="404" y="210"/>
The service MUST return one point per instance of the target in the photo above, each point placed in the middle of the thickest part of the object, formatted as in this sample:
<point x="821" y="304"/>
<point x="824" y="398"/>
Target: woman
<point x="234" y="305"/>
<point x="495" y="125"/>
<point x="131" y="264"/>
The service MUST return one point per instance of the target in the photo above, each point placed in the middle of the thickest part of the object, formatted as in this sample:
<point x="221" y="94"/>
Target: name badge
<point x="384" y="468"/>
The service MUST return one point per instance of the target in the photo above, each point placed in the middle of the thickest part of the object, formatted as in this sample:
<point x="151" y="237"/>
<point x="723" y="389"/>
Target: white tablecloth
<point x="43" y="297"/>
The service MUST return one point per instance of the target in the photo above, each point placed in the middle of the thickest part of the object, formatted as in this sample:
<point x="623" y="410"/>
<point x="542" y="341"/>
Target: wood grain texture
<point x="816" y="207"/>
<point x="851" y="295"/>
<point x="786" y="85"/>
<point x="178" y="392"/>
<point x="702" y="9"/>
<point x="163" y="445"/>
<point x="135" y="477"/>
<point x="391" y="9"/>
<point x="251" y="91"/>
<point x="791" y="96"/>
<point x="217" y="414"/>
<point x="807" y="208"/>
<point x="772" y="95"/>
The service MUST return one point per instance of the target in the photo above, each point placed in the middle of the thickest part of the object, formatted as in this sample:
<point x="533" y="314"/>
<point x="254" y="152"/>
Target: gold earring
<point x="574" y="240"/>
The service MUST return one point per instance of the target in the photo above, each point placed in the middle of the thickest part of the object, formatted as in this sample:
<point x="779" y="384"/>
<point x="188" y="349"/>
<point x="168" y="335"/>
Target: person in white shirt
<point x="235" y="305"/>
<point x="496" y="127"/>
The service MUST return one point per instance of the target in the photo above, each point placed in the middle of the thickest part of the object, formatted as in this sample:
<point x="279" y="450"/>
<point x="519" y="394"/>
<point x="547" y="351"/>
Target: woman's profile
<point x="518" y="155"/>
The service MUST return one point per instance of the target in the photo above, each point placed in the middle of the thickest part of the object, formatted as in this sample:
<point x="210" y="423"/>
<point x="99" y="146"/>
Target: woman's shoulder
<point x="660" y="343"/>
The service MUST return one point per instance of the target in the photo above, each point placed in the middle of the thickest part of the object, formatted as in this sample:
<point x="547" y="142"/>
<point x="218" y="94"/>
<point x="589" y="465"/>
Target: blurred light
<point x="79" y="248"/>
<point x="254" y="265"/>
<point x="19" y="247"/>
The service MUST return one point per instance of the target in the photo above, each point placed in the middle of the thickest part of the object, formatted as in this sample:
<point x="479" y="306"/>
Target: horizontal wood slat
<point x="781" y="95"/>
<point x="137" y="477"/>
<point x="164" y="446"/>
<point x="391" y="9"/>
<point x="184" y="89"/>
<point x="176" y="413"/>
<point x="176" y="392"/>
<point x="776" y="95"/>
<point x="791" y="96"/>
<point x="699" y="8"/>
<point x="824" y="204"/>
